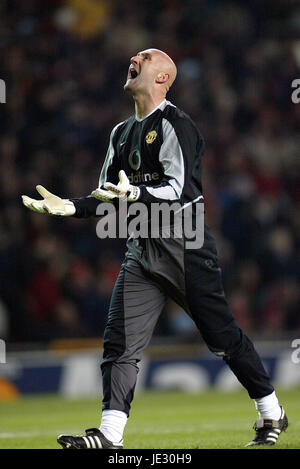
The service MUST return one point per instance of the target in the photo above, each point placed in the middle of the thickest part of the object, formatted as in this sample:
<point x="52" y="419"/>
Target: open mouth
<point x="132" y="73"/>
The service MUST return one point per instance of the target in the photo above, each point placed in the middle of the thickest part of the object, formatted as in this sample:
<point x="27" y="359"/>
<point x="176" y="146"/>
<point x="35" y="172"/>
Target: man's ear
<point x="162" y="78"/>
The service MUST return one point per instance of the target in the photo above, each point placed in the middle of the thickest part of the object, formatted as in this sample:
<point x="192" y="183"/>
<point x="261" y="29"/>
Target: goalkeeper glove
<point x="124" y="190"/>
<point x="51" y="204"/>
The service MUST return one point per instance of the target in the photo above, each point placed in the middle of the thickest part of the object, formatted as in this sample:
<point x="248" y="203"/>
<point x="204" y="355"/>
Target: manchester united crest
<point x="151" y="136"/>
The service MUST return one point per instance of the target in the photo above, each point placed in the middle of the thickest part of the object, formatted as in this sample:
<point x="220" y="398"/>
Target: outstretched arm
<point x="51" y="204"/>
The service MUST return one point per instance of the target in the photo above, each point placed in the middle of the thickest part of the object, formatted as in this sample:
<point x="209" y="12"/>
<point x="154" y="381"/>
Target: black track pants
<point x="137" y="301"/>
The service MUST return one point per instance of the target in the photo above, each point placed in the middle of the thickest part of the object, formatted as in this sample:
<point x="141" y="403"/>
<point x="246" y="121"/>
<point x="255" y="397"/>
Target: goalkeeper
<point x="155" y="156"/>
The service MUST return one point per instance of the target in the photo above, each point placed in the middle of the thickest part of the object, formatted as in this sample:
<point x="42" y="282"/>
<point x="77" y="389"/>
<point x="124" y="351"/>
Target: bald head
<point x="152" y="72"/>
<point x="166" y="65"/>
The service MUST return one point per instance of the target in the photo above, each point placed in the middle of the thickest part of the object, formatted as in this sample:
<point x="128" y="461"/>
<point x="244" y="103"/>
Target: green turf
<point x="158" y="420"/>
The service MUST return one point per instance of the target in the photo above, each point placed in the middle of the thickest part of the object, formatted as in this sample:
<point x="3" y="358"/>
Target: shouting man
<point x="153" y="157"/>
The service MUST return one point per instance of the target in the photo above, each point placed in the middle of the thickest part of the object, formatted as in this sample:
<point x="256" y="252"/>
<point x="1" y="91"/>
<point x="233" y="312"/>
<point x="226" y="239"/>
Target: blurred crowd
<point x="65" y="63"/>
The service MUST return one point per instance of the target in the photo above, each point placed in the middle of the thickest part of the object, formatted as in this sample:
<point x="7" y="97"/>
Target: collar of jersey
<point x="161" y="106"/>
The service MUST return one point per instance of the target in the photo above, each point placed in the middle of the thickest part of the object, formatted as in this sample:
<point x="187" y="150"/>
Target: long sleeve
<point x="85" y="207"/>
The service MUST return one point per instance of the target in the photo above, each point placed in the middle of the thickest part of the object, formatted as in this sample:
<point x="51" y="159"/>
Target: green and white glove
<point x="51" y="204"/>
<point x="124" y="190"/>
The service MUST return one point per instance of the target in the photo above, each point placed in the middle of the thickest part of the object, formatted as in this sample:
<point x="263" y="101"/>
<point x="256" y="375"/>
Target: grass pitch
<point x="164" y="420"/>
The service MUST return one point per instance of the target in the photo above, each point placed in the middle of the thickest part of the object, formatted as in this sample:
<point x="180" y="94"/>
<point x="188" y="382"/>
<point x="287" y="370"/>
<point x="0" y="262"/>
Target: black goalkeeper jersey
<point x="160" y="153"/>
